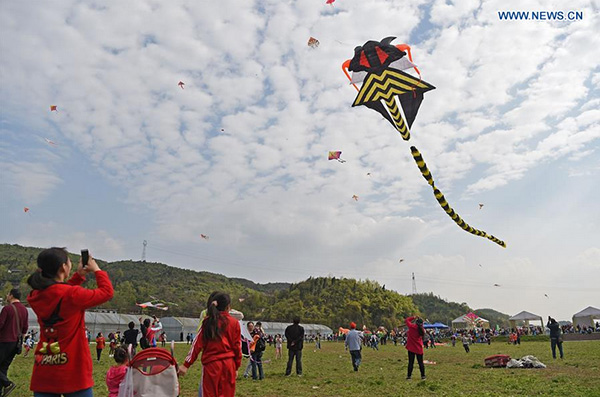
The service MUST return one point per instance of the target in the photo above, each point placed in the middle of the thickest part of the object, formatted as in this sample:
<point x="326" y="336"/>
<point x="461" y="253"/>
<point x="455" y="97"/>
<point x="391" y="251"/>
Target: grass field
<point x="328" y="372"/>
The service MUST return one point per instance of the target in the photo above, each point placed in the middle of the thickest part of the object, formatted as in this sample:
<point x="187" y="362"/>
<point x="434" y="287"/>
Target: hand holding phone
<point x="85" y="256"/>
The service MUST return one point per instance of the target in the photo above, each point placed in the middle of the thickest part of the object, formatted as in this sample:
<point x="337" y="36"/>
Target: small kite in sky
<point x="330" y="2"/>
<point x="25" y="209"/>
<point x="355" y="197"/>
<point x="53" y="108"/>
<point x="480" y="206"/>
<point x="401" y="260"/>
<point x="546" y="295"/>
<point x="181" y="84"/>
<point x="49" y="142"/>
<point x="397" y="95"/>
<point x="368" y="174"/>
<point x="313" y="43"/>
<point x="222" y="129"/>
<point x="480" y="265"/>
<point x="496" y="285"/>
<point x="204" y="236"/>
<point x="336" y="156"/>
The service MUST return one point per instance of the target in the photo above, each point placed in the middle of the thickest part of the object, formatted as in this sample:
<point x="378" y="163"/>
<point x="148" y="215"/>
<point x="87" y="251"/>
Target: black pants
<point x="298" y="355"/>
<point x="411" y="363"/>
<point x="554" y="342"/>
<point x="8" y="350"/>
<point x="99" y="353"/>
<point x="356" y="358"/>
<point x="466" y="348"/>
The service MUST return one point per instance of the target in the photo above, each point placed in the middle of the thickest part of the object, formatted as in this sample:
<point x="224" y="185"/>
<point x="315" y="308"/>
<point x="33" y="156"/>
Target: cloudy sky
<point x="240" y="154"/>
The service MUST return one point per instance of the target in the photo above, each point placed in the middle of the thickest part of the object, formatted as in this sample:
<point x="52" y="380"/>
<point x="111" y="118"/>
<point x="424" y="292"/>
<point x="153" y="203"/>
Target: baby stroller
<point x="151" y="373"/>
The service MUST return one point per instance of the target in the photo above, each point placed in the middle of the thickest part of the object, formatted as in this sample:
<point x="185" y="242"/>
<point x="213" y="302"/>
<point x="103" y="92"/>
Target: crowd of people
<point x="63" y="364"/>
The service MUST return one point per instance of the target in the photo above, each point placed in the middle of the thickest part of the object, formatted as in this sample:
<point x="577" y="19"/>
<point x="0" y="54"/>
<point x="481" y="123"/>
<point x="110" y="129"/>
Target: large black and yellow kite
<point x="397" y="96"/>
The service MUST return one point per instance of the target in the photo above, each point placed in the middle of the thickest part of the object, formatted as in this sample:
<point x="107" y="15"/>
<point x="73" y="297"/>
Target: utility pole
<point x="144" y="251"/>
<point x="414" y="285"/>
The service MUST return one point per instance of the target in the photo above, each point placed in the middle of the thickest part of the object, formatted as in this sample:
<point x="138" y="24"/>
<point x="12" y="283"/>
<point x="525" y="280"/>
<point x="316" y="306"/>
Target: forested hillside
<point x="326" y="300"/>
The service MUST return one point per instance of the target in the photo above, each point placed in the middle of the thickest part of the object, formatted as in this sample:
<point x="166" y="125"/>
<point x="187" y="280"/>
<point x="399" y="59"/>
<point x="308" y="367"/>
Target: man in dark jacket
<point x="555" y="339"/>
<point x="11" y="328"/>
<point x="294" y="334"/>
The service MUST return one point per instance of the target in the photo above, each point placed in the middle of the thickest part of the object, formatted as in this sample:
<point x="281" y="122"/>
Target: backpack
<point x="260" y="345"/>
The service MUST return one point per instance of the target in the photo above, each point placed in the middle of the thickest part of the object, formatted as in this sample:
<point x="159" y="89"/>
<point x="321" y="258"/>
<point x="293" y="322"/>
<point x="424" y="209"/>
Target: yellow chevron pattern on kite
<point x="399" y="122"/>
<point x="385" y="85"/>
<point x="444" y="204"/>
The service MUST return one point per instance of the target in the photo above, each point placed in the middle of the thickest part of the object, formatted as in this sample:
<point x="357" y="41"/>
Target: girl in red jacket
<point x="414" y="344"/>
<point x="220" y="342"/>
<point x="63" y="362"/>
<point x="116" y="374"/>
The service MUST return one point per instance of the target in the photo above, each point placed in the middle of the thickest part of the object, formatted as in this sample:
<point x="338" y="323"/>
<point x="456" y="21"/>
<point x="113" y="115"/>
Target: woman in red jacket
<point x="414" y="344"/>
<point x="63" y="362"/>
<point x="221" y="346"/>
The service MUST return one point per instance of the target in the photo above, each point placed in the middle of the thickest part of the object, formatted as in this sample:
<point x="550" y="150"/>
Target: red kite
<point x="53" y="108"/>
<point x="355" y="197"/>
<point x="181" y="84"/>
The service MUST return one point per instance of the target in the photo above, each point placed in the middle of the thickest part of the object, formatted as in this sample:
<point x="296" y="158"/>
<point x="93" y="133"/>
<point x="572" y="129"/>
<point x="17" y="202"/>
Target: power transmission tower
<point x="144" y="251"/>
<point x="414" y="285"/>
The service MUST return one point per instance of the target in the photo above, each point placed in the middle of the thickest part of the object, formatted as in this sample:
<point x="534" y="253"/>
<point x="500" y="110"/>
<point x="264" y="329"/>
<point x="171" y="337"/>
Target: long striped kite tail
<point x="444" y="204"/>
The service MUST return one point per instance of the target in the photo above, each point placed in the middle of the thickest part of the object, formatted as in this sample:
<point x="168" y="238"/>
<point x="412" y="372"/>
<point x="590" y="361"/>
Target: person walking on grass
<point x="220" y="343"/>
<point x="414" y="344"/>
<point x="465" y="342"/>
<point x="294" y="334"/>
<point x="100" y="343"/>
<point x="353" y="343"/>
<point x="13" y="325"/>
<point x="555" y="337"/>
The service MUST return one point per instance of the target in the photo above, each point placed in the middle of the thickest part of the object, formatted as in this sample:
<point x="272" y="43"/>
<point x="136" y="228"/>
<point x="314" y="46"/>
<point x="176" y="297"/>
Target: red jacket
<point x="63" y="362"/>
<point x="229" y="345"/>
<point x="414" y="342"/>
<point x="114" y="377"/>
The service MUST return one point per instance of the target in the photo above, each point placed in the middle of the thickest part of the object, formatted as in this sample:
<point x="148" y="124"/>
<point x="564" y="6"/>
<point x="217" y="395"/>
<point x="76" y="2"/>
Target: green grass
<point x="328" y="372"/>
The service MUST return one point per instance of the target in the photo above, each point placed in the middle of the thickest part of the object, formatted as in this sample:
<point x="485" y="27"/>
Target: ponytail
<point x="217" y="302"/>
<point x="49" y="262"/>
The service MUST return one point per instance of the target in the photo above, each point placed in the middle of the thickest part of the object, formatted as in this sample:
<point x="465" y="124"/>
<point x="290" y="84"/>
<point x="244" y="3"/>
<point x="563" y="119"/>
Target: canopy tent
<point x="435" y="325"/>
<point x="525" y="317"/>
<point x="274" y="328"/>
<point x="586" y="317"/>
<point x="470" y="321"/>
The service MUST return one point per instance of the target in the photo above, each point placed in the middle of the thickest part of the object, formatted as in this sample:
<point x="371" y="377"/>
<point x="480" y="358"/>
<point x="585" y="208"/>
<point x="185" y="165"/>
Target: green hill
<point x="325" y="300"/>
<point x="338" y="301"/>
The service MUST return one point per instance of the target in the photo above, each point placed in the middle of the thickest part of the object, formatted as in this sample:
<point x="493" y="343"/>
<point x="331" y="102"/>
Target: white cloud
<point x="511" y="97"/>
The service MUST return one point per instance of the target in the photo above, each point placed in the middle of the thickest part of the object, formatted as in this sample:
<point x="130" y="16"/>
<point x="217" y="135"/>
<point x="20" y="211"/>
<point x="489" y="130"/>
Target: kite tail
<point x="444" y="204"/>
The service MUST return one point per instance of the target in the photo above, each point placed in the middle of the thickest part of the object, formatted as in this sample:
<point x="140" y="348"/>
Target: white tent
<point x="586" y="317"/>
<point x="526" y="317"/>
<point x="468" y="322"/>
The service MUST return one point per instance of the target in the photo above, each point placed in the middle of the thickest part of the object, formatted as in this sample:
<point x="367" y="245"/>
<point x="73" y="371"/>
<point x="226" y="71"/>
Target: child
<point x="112" y="345"/>
<point x="278" y="346"/>
<point x="220" y="343"/>
<point x="116" y="373"/>
<point x="100" y="343"/>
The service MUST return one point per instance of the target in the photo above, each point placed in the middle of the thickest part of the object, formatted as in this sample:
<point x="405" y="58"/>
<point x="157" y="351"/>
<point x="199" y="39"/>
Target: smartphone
<point x="85" y="256"/>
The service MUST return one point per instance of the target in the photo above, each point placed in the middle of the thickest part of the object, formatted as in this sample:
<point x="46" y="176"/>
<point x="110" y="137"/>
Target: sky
<point x="240" y="153"/>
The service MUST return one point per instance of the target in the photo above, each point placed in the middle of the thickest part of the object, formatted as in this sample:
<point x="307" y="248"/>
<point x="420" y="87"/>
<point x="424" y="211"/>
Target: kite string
<point x="444" y="204"/>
